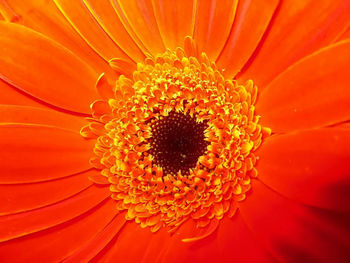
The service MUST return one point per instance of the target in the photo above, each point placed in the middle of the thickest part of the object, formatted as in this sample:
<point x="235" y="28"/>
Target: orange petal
<point x="312" y="93"/>
<point x="33" y="115"/>
<point x="125" y="248"/>
<point x="104" y="88"/>
<point x="21" y="224"/>
<point x="61" y="241"/>
<point x="310" y="166"/>
<point x="110" y="22"/>
<point x="344" y="35"/>
<point x="14" y="96"/>
<point x="176" y="20"/>
<point x="298" y="29"/>
<point x="38" y="65"/>
<point x="291" y="231"/>
<point x="24" y="197"/>
<point x="33" y="153"/>
<point x="122" y="67"/>
<point x="43" y="16"/>
<point x="250" y="23"/>
<point x="91" y="249"/>
<point x="238" y="243"/>
<point x="203" y="250"/>
<point x="214" y="20"/>
<point x="138" y="19"/>
<point x="88" y="28"/>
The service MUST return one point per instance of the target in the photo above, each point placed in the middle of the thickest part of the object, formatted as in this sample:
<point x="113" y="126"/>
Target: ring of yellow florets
<point x="195" y="87"/>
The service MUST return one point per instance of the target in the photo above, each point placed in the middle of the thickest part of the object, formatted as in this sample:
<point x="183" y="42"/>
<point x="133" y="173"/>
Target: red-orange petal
<point x="344" y="35"/>
<point x="138" y="19"/>
<point x="175" y="20"/>
<point x="291" y="231"/>
<point x="91" y="249"/>
<point x="125" y="247"/>
<point x="24" y="197"/>
<point x="104" y="13"/>
<point x="43" y="16"/>
<point x="39" y="66"/>
<point x="251" y="21"/>
<point x="61" y="241"/>
<point x="34" y="115"/>
<point x="214" y="20"/>
<point x="237" y="242"/>
<point x="24" y="223"/>
<point x="88" y="28"/>
<point x="312" y="93"/>
<point x="298" y="29"/>
<point x="309" y="166"/>
<point x="33" y="153"/>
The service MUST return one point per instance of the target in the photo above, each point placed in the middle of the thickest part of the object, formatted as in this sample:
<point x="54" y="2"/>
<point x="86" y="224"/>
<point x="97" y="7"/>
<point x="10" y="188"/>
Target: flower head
<point x="217" y="131"/>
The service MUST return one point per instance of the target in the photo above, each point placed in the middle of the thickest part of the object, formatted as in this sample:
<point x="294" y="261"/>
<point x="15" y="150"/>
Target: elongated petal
<point x="232" y="242"/>
<point x="44" y="17"/>
<point x="292" y="231"/>
<point x="91" y="249"/>
<point x="88" y="28"/>
<point x="34" y="115"/>
<point x="238" y="244"/>
<point x="24" y="197"/>
<point x="21" y="224"/>
<point x="107" y="18"/>
<point x="298" y="29"/>
<point x="251" y="21"/>
<point x="38" y="66"/>
<point x="175" y="20"/>
<point x="310" y="166"/>
<point x="33" y="153"/>
<point x="214" y="20"/>
<point x="344" y="35"/>
<point x="61" y="241"/>
<point x="125" y="249"/>
<point x="138" y="19"/>
<point x="312" y="93"/>
<point x="12" y="95"/>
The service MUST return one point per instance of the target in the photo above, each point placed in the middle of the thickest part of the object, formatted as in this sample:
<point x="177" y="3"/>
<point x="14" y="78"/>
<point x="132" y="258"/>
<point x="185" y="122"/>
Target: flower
<point x="218" y="131"/>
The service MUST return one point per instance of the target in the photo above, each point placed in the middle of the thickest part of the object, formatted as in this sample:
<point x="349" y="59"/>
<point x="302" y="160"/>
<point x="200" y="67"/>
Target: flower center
<point x="177" y="141"/>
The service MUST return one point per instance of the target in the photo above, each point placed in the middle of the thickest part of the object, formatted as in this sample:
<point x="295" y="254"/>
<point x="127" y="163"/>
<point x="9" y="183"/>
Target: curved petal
<point x="292" y="231"/>
<point x="21" y="224"/>
<point x="344" y="35"/>
<point x="43" y="16"/>
<point x="14" y="96"/>
<point x="59" y="242"/>
<point x="110" y="22"/>
<point x="34" y="153"/>
<point x="312" y="93"/>
<point x="214" y="20"/>
<point x="87" y="27"/>
<point x="38" y="66"/>
<point x="232" y="242"/>
<point x="125" y="249"/>
<point x="251" y="21"/>
<point x="298" y="29"/>
<point x="138" y="19"/>
<point x="24" y="197"/>
<point x="170" y="18"/>
<point x="34" y="115"/>
<point x="237" y="242"/>
<point x="91" y="249"/>
<point x="309" y="166"/>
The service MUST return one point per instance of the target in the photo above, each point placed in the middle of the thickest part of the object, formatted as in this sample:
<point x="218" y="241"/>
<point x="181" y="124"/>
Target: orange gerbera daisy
<point x="218" y="131"/>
